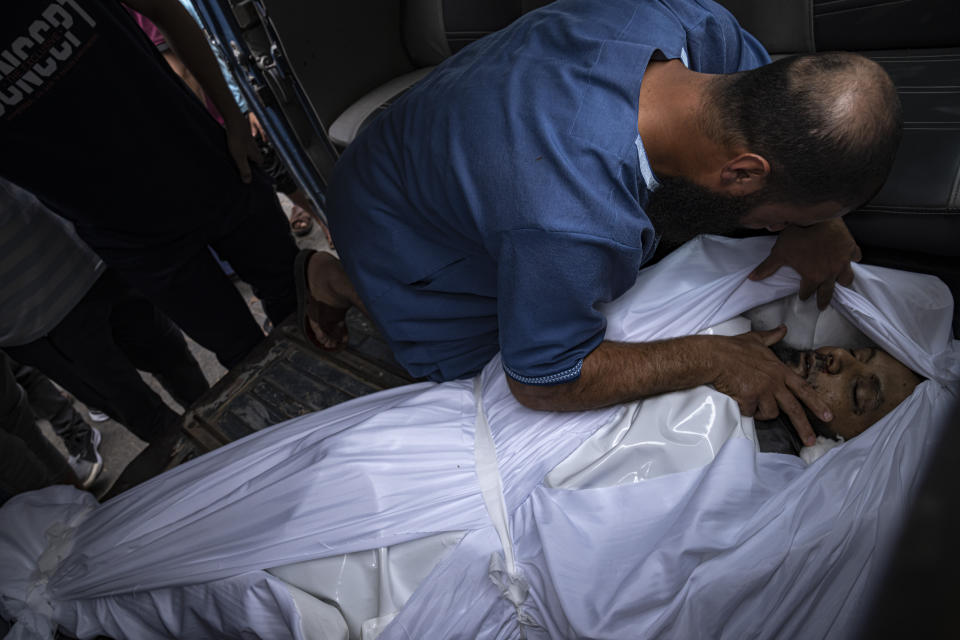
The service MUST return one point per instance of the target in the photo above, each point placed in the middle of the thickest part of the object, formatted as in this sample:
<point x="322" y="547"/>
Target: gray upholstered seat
<point x="914" y="221"/>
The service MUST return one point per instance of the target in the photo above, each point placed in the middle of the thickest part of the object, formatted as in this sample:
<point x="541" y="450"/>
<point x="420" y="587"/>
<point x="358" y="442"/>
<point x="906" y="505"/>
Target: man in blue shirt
<point x="527" y="179"/>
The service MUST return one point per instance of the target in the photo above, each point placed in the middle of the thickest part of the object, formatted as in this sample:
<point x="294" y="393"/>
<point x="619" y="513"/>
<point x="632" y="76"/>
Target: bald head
<point x="852" y="96"/>
<point x="828" y="124"/>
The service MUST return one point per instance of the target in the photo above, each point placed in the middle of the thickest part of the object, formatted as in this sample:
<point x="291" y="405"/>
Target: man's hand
<point x="188" y="42"/>
<point x="763" y="386"/>
<point x="742" y="367"/>
<point x="256" y="129"/>
<point x="820" y="253"/>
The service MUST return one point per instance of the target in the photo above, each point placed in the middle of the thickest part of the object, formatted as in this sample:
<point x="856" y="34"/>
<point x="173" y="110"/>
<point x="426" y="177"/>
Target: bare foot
<point x="332" y="295"/>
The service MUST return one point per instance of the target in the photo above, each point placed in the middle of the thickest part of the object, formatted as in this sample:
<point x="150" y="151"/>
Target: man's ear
<point x="744" y="174"/>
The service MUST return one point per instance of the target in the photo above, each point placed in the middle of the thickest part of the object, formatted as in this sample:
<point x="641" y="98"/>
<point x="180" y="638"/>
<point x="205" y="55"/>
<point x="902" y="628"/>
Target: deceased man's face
<point x="859" y="385"/>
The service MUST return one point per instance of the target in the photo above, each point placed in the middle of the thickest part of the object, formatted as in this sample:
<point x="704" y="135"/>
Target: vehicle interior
<point x="325" y="70"/>
<point x="319" y="72"/>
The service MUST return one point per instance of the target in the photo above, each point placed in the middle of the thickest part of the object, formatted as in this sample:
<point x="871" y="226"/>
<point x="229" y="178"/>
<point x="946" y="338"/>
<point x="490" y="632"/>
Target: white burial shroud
<point x="750" y="545"/>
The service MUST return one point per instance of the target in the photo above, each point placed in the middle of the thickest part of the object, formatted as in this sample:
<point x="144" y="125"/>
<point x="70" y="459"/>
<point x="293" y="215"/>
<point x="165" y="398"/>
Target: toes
<point x="331" y="338"/>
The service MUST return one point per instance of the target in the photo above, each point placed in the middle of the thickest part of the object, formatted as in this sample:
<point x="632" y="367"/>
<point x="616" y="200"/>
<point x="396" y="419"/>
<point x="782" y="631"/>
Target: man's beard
<point x="680" y="209"/>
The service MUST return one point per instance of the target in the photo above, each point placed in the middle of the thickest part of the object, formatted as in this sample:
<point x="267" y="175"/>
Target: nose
<point x="836" y="360"/>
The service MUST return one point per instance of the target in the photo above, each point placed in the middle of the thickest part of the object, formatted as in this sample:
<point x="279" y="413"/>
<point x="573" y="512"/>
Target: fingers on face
<point x="790" y="406"/>
<point x="808" y="395"/>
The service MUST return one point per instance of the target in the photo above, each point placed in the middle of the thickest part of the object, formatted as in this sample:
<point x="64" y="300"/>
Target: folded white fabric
<point x="751" y="545"/>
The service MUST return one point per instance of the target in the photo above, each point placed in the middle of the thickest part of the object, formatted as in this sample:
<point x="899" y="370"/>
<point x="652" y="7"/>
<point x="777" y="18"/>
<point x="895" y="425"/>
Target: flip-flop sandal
<point x="331" y="319"/>
<point x="301" y="222"/>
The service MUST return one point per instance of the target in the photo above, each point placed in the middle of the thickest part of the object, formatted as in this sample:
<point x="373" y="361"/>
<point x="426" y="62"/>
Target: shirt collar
<point x="645" y="169"/>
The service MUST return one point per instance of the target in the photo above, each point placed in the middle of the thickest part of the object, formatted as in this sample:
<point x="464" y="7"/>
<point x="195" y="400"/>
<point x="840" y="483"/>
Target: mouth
<point x="812" y="364"/>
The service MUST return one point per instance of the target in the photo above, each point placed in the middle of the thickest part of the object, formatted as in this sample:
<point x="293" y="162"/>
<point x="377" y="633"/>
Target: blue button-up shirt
<point x="501" y="200"/>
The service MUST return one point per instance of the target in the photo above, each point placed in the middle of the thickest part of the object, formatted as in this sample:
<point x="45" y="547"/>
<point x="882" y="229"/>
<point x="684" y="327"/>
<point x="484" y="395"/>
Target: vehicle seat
<point x="424" y="39"/>
<point x="432" y="31"/>
<point x="914" y="221"/>
<point x="374" y="51"/>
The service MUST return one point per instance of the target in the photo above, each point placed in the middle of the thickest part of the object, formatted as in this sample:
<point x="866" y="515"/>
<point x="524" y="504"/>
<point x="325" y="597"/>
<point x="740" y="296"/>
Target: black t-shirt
<point x="95" y="123"/>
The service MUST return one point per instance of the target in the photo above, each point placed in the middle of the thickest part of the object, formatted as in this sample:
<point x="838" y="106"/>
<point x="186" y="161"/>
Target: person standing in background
<point x="97" y="126"/>
<point x="27" y="460"/>
<point x="75" y="320"/>
<point x="302" y="214"/>
<point x="81" y="440"/>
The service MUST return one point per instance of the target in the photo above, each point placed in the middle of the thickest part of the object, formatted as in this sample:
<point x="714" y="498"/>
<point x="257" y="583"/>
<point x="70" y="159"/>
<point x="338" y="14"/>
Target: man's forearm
<point x="617" y="372"/>
<point x="188" y="42"/>
<point x="743" y="367"/>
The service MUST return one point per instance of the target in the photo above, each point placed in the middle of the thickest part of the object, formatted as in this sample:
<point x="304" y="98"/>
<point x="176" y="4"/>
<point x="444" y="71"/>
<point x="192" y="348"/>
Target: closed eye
<point x="878" y="391"/>
<point x="867" y="395"/>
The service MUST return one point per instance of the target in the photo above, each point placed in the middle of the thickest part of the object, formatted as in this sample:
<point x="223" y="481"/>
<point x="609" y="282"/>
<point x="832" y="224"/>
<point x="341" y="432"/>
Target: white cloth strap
<point x="504" y="570"/>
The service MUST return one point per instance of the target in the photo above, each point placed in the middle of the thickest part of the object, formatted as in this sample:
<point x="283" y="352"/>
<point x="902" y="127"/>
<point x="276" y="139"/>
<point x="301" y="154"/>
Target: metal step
<point x="284" y="378"/>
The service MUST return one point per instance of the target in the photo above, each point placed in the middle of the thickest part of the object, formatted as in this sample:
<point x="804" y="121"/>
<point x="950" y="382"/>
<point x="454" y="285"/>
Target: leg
<point x="300" y="221"/>
<point x="47" y="402"/>
<point x="82" y="440"/>
<point x="27" y="460"/>
<point x="81" y="356"/>
<point x="20" y="469"/>
<point x="255" y="239"/>
<point x="152" y="343"/>
<point x="193" y="292"/>
<point x="303" y="212"/>
<point x="299" y="198"/>
<point x="324" y="293"/>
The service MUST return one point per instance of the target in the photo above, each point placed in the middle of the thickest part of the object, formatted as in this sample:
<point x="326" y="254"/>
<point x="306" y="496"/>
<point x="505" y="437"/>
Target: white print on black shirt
<point x="31" y="59"/>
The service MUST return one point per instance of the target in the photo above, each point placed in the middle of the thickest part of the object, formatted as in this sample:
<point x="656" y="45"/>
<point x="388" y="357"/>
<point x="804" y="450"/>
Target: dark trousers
<point x="47" y="402"/>
<point x="95" y="351"/>
<point x="27" y="460"/>
<point x="184" y="280"/>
